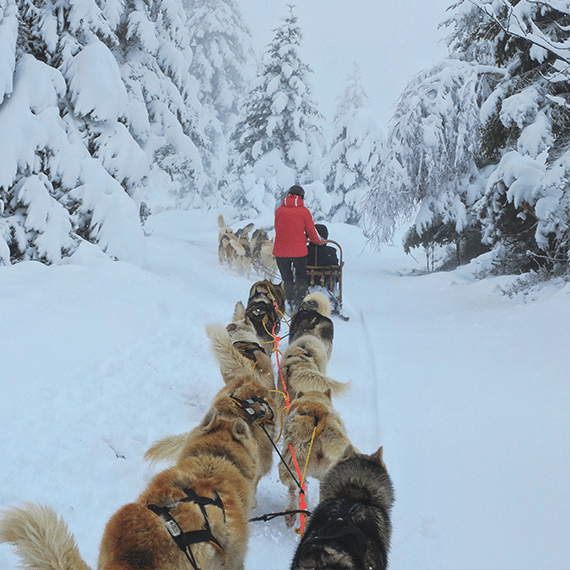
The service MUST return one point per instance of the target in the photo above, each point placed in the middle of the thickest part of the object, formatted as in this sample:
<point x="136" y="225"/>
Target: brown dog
<point x="244" y="398"/>
<point x="193" y="514"/>
<point x="310" y="424"/>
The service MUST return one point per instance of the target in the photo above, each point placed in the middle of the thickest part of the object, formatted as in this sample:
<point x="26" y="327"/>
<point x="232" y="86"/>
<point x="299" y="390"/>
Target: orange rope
<point x="302" y="501"/>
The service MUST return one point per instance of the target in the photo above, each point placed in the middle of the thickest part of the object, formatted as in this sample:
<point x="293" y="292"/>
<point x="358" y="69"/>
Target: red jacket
<point x="293" y="223"/>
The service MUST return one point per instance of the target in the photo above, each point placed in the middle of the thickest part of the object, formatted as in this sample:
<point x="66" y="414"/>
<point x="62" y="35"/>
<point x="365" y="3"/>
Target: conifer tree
<point x="354" y="154"/>
<point x="96" y="111"/>
<point x="278" y="141"/>
<point x="524" y="139"/>
<point x="223" y="64"/>
<point x="431" y="161"/>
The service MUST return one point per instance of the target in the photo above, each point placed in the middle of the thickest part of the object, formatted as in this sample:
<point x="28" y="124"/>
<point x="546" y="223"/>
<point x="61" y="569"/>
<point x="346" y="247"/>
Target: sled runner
<point x="329" y="279"/>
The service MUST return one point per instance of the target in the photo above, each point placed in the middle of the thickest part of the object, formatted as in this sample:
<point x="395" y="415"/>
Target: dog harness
<point x="261" y="315"/>
<point x="184" y="540"/>
<point x="248" y="406"/>
<point x="248" y="349"/>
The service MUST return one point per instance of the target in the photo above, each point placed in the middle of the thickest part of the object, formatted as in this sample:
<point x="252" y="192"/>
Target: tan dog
<point x="267" y="261"/>
<point x="243" y="398"/>
<point x="304" y="363"/>
<point x="203" y="502"/>
<point x="241" y="259"/>
<point x="226" y="243"/>
<point x="310" y="424"/>
<point x="241" y="251"/>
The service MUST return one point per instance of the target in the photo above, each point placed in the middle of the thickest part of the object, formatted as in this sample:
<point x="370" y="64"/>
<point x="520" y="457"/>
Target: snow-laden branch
<point x="521" y="14"/>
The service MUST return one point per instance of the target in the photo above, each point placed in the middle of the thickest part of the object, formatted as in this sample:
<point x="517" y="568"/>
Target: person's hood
<point x="293" y="200"/>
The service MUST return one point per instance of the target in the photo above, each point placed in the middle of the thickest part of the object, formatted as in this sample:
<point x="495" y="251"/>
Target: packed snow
<point x="466" y="388"/>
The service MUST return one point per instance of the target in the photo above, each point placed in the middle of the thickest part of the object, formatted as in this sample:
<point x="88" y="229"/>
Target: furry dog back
<point x="350" y="529"/>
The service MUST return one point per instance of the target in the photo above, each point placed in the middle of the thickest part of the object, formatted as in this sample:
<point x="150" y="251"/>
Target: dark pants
<point x="294" y="285"/>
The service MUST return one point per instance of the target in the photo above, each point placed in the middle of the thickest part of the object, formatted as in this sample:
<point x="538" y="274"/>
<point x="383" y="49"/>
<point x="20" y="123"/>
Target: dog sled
<point x="329" y="279"/>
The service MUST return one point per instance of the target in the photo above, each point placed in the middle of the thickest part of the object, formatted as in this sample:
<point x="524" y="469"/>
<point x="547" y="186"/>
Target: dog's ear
<point x="209" y="420"/>
<point x="348" y="453"/>
<point x="241" y="430"/>
<point x="239" y="312"/>
<point x="378" y="457"/>
<point x="328" y="394"/>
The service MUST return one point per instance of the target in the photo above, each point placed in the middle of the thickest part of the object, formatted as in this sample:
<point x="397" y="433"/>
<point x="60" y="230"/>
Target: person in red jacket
<point x="293" y="225"/>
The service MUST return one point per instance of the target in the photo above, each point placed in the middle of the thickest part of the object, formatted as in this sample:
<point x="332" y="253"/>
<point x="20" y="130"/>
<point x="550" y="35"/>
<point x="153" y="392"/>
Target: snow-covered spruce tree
<point x="94" y="103"/>
<point x="53" y="190"/>
<point x="354" y="154"/>
<point x="164" y="111"/>
<point x="526" y="206"/>
<point x="223" y="63"/>
<point x="278" y="141"/>
<point x="430" y="165"/>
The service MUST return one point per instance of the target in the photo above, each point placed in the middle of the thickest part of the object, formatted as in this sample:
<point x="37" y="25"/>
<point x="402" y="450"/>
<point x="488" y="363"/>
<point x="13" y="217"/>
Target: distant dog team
<point x="242" y="253"/>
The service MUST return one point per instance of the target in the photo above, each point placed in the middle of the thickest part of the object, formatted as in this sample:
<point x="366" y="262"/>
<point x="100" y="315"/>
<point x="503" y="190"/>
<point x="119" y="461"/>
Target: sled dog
<point x="240" y="355"/>
<point x="244" y="398"/>
<point x="350" y="529"/>
<point x="265" y="305"/>
<point x="262" y="255"/>
<point x="304" y="363"/>
<point x="227" y="242"/>
<point x="313" y="428"/>
<point x="194" y="514"/>
<point x="258" y="238"/>
<point x="268" y="262"/>
<point x="313" y="318"/>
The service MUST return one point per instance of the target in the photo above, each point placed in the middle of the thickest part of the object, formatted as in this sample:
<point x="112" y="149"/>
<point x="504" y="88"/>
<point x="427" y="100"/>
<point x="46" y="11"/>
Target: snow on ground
<point x="466" y="388"/>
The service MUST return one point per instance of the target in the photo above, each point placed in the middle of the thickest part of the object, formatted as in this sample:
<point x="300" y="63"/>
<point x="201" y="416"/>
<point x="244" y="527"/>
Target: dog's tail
<point x="322" y="383"/>
<point x="42" y="539"/>
<point x="318" y="302"/>
<point x="221" y="221"/>
<point x="231" y="361"/>
<point x="167" y="449"/>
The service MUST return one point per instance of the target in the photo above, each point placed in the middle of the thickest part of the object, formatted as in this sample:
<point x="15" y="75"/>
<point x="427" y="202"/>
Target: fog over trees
<point x="110" y="111"/>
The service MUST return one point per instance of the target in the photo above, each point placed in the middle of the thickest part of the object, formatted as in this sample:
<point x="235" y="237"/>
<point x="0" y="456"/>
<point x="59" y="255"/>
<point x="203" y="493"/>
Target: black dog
<point x="350" y="529"/>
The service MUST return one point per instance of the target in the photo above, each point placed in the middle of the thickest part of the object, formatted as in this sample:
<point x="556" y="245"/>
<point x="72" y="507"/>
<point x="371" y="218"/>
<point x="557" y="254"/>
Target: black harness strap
<point x="271" y="516"/>
<point x="184" y="540"/>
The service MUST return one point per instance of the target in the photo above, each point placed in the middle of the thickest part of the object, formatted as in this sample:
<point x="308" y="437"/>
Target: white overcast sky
<point x="390" y="40"/>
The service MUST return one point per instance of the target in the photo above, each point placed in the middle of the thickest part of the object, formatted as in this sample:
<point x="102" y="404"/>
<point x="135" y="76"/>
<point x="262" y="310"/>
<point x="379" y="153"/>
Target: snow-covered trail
<point x="465" y="388"/>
